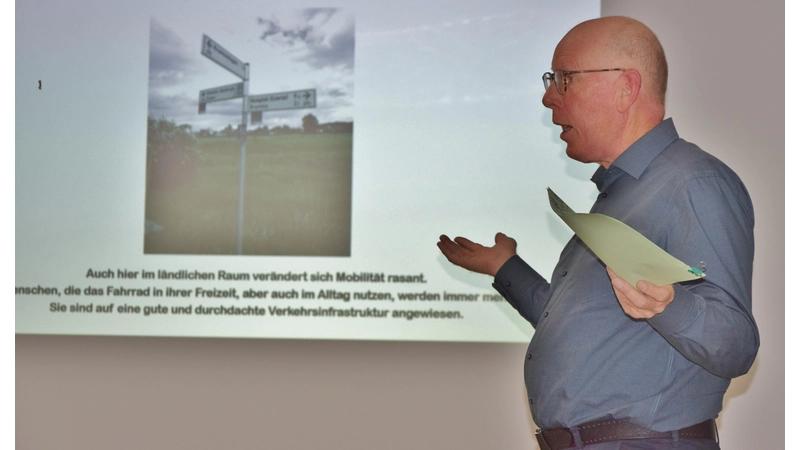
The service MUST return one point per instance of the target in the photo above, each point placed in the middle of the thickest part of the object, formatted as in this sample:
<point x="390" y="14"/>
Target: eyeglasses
<point x="560" y="77"/>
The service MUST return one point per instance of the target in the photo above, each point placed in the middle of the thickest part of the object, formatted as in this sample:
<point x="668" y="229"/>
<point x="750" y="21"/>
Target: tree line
<point x="310" y="124"/>
<point x="172" y="152"/>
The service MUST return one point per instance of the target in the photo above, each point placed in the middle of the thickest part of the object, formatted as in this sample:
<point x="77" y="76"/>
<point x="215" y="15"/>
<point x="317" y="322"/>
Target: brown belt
<point x="616" y="430"/>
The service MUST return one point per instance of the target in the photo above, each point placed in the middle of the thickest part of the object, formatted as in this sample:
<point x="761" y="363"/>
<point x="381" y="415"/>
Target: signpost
<point x="215" y="52"/>
<point x="306" y="98"/>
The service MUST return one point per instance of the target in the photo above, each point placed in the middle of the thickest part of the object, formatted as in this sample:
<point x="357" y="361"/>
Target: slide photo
<point x="234" y="170"/>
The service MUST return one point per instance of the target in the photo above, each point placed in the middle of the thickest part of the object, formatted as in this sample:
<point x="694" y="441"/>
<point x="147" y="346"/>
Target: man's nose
<point x="550" y="96"/>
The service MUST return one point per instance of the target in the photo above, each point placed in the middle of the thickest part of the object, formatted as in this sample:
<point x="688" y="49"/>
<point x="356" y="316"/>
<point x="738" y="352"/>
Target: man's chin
<point x="580" y="157"/>
<point x="574" y="155"/>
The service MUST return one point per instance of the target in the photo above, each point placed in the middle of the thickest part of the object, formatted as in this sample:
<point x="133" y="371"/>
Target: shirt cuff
<point x="514" y="279"/>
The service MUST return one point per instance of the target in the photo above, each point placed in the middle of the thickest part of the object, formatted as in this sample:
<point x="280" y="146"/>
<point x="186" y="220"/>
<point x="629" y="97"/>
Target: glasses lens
<point x="559" y="80"/>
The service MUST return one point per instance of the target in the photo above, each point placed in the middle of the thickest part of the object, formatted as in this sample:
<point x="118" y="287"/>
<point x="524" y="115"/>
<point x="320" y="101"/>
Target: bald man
<point x="613" y="366"/>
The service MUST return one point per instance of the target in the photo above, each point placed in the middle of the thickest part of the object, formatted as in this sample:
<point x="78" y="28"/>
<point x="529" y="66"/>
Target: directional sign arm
<point x="215" y="52"/>
<point x="219" y="93"/>
<point x="306" y="98"/>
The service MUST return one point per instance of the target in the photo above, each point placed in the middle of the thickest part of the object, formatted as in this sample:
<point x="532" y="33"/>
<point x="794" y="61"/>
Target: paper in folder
<point x="629" y="254"/>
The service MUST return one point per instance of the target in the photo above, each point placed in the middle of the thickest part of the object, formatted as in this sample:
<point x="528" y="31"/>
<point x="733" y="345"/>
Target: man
<point x="611" y="365"/>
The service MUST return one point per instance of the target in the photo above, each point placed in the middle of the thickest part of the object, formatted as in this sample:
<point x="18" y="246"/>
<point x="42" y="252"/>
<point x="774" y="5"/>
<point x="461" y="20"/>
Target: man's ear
<point x="630" y="84"/>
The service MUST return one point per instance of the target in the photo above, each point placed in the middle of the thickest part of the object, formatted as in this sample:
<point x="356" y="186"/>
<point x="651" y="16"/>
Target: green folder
<point x="624" y="250"/>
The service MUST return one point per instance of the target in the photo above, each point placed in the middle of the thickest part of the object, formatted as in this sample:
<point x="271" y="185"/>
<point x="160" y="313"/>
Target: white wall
<point x="726" y="94"/>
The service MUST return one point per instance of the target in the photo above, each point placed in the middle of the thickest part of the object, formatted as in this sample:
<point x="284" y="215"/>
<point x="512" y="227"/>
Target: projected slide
<point x="273" y="171"/>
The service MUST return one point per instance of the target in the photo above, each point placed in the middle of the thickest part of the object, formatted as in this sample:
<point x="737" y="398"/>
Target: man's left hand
<point x="645" y="302"/>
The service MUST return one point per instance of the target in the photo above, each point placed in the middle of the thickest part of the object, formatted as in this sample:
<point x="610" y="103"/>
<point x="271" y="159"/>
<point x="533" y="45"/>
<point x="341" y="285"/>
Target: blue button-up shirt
<point x="588" y="360"/>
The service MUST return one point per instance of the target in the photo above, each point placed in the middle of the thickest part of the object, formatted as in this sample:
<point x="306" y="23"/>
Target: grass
<point x="297" y="198"/>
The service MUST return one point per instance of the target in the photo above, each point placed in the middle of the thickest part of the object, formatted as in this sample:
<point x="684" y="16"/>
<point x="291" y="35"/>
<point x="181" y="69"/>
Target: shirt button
<point x="508" y="283"/>
<point x="546" y="313"/>
<point x="563" y="273"/>
<point x="604" y="194"/>
<point x="530" y="401"/>
<point x="530" y="356"/>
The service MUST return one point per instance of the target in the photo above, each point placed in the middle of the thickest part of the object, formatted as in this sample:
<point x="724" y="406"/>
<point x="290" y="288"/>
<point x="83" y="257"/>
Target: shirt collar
<point x="638" y="156"/>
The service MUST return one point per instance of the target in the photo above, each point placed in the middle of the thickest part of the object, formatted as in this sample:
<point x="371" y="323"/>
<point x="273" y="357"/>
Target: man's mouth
<point x="565" y="128"/>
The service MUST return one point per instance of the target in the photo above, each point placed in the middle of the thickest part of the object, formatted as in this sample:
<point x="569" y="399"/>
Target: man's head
<point x="603" y="112"/>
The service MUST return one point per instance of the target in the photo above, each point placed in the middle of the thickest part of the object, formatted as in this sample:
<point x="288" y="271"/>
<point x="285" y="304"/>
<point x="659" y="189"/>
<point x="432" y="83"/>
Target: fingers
<point x="444" y="242"/>
<point x="449" y="248"/>
<point x="459" y="245"/>
<point x="505" y="242"/>
<point x="630" y="306"/>
<point x="619" y="283"/>
<point x="476" y="257"/>
<point x="643" y="303"/>
<point x="467" y="244"/>
<point x="502" y="239"/>
<point x="622" y="289"/>
<point x="659" y="293"/>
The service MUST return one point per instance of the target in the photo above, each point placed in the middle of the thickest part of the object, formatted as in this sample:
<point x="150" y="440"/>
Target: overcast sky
<point x="301" y="49"/>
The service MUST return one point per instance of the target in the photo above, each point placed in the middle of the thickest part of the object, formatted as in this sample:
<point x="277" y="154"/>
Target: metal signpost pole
<point x="215" y="52"/>
<point x="242" y="158"/>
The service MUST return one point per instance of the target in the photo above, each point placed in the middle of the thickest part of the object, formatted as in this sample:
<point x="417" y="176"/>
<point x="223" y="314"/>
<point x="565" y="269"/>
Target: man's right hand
<point x="475" y="257"/>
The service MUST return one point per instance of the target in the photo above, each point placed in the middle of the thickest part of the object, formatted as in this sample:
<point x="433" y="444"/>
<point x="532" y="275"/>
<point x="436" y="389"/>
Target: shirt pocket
<point x="581" y="276"/>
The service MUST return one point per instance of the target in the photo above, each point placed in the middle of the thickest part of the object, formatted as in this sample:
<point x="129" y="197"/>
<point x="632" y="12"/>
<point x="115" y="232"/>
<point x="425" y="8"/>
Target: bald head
<point x="627" y="43"/>
<point x="612" y="87"/>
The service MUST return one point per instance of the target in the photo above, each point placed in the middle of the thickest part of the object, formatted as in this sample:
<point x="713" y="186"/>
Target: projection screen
<point x="269" y="170"/>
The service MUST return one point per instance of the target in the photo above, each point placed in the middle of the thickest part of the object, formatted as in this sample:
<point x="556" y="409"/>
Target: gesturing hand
<point x="475" y="257"/>
<point x="645" y="302"/>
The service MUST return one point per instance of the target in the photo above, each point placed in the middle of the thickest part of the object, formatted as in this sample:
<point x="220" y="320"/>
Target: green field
<point x="297" y="198"/>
